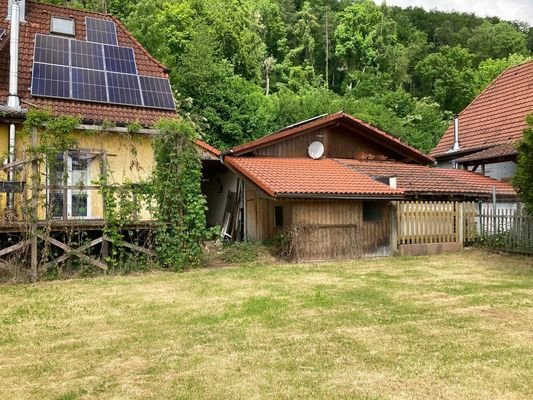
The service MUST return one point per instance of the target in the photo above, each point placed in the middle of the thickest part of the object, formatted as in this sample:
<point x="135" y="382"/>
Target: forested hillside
<point x="244" y="68"/>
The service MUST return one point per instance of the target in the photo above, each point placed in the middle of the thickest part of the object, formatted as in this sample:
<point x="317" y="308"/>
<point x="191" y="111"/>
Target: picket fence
<point x="425" y="222"/>
<point x="506" y="229"/>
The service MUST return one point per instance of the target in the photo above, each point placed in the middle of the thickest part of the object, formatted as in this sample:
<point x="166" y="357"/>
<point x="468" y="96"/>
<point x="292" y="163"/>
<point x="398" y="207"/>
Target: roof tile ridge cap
<point x="389" y="135"/>
<point x="60" y="7"/>
<point x="506" y="70"/>
<point x="146" y="52"/>
<point x="278" y="132"/>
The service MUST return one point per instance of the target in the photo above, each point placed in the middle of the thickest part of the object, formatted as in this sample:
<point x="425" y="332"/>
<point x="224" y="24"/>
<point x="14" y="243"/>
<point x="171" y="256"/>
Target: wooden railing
<point x="508" y="230"/>
<point x="424" y="222"/>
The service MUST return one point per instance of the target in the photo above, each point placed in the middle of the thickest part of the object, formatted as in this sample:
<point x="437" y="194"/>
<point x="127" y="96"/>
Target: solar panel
<point x="101" y="31"/>
<point x="157" y="93"/>
<point x="87" y="55"/>
<point x="50" y="80"/>
<point x="124" y="89"/>
<point x="95" y="70"/>
<point x="120" y="59"/>
<point x="51" y="50"/>
<point x="89" y="85"/>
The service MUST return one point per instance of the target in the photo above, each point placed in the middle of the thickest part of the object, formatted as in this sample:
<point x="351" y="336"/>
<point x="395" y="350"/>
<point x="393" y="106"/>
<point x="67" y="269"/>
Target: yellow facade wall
<point x="129" y="159"/>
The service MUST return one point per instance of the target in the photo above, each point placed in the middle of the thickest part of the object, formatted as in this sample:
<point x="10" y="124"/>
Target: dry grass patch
<point x="446" y="327"/>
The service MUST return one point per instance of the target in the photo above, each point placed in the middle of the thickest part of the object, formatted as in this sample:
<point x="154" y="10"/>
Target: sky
<point x="509" y="10"/>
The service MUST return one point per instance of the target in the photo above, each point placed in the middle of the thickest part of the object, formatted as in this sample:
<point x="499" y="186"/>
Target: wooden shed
<point x="330" y="187"/>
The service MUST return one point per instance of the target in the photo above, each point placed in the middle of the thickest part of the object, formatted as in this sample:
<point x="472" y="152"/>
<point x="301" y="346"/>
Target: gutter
<point x="325" y="196"/>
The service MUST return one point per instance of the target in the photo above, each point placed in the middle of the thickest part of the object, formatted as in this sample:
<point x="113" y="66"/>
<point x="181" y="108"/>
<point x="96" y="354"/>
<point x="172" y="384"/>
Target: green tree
<point x="360" y="26"/>
<point x="523" y="178"/>
<point x="448" y="77"/>
<point x="497" y="41"/>
<point x="489" y="69"/>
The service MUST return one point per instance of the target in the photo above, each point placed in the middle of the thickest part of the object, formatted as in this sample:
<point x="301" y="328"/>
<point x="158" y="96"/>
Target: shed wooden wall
<point x="320" y="229"/>
<point x="339" y="142"/>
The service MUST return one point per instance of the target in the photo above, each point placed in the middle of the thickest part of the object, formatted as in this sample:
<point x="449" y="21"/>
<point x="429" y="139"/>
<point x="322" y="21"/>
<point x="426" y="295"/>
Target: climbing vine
<point x="172" y="196"/>
<point x="180" y="206"/>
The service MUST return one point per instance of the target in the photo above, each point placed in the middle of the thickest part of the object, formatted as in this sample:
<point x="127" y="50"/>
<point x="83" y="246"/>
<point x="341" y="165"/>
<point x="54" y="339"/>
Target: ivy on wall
<point x="173" y="194"/>
<point x="180" y="209"/>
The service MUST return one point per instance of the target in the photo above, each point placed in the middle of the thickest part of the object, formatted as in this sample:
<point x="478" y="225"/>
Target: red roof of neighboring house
<point x="374" y="134"/>
<point x="304" y="177"/>
<point x="498" y="151"/>
<point x="497" y="115"/>
<point x="422" y="180"/>
<point x="38" y="17"/>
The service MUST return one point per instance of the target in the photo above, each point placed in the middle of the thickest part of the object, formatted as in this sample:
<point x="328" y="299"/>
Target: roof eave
<point x="338" y="196"/>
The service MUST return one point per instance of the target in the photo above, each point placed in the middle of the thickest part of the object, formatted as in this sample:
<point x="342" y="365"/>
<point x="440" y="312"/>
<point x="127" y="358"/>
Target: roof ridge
<point x="505" y="71"/>
<point x="70" y="8"/>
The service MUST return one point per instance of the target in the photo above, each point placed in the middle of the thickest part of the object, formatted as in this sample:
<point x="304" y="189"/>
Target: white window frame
<point x="60" y="32"/>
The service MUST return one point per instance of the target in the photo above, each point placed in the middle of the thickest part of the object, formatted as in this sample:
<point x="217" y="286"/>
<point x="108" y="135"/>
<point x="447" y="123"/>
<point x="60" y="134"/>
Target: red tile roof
<point x="497" y="115"/>
<point x="38" y="18"/>
<point x="304" y="177"/>
<point x="378" y="135"/>
<point x="422" y="180"/>
<point x="498" y="151"/>
<point x="207" y="147"/>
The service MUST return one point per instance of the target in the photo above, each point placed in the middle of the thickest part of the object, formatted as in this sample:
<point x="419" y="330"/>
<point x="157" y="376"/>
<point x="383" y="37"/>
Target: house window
<point x="278" y="216"/>
<point x="67" y="181"/>
<point x="62" y="26"/>
<point x="372" y="212"/>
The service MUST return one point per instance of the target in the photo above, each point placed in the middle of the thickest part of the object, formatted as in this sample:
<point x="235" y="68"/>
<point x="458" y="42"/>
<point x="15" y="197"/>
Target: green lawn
<point x="443" y="327"/>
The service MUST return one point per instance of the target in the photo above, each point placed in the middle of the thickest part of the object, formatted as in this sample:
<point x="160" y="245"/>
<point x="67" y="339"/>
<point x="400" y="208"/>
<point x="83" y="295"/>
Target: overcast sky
<point x="510" y="10"/>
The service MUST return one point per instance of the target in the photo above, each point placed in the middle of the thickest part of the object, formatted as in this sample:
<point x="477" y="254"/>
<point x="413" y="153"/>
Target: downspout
<point x="456" y="146"/>
<point x="13" y="101"/>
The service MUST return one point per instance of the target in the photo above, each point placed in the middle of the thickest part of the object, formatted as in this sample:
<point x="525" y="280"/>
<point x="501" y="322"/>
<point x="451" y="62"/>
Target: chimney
<point x="456" y="145"/>
<point x="393" y="182"/>
<point x="22" y="12"/>
<point x="13" y="101"/>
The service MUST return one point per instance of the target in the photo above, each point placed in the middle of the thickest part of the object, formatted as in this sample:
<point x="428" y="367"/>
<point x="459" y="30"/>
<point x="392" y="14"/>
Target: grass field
<point x="446" y="327"/>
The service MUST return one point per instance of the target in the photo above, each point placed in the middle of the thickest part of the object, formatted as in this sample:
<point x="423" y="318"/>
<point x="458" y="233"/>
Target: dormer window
<point x="62" y="26"/>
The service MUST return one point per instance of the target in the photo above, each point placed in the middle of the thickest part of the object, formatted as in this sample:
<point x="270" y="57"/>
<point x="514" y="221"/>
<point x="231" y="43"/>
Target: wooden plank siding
<point x="320" y="229"/>
<point x="337" y="144"/>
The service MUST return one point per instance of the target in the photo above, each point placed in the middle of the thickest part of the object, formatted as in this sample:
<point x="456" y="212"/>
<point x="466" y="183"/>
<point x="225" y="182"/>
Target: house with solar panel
<point x="74" y="63"/>
<point x="337" y="187"/>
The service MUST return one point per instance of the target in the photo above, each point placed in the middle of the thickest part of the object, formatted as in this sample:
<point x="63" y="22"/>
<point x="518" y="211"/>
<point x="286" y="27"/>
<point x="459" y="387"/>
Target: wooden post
<point x="103" y="171"/>
<point x="34" y="205"/>
<point x="393" y="228"/>
<point x="64" y="180"/>
<point x="460" y="223"/>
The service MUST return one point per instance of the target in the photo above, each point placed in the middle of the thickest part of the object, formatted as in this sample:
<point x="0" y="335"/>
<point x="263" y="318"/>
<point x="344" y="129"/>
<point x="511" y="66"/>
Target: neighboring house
<point x="484" y="134"/>
<point x="337" y="179"/>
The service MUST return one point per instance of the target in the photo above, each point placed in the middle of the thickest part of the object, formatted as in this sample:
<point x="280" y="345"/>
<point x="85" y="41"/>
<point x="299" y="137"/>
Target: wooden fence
<point x="508" y="230"/>
<point x="426" y="222"/>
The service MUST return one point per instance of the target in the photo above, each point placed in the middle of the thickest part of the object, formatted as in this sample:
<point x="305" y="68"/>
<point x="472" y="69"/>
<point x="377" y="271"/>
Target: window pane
<point x="79" y="204"/>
